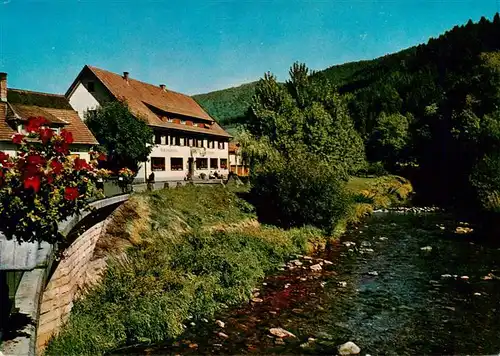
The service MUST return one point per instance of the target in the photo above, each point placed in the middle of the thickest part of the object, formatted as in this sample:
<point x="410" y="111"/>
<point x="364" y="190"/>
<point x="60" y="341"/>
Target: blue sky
<point x="199" y="46"/>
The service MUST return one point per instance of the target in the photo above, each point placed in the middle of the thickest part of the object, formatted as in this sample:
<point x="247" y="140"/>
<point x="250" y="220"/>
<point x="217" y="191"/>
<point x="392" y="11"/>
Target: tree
<point x="389" y="138"/>
<point x="308" y="114"/>
<point x="127" y="139"/>
<point x="43" y="185"/>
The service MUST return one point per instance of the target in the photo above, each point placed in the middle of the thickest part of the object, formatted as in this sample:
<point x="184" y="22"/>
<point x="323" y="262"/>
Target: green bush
<point x="299" y="191"/>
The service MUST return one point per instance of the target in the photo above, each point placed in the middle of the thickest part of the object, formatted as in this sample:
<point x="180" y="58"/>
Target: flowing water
<point x="400" y="285"/>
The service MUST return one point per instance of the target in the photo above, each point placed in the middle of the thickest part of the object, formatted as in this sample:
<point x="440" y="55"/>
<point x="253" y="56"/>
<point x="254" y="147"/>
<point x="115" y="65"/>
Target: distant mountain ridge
<point x="229" y="105"/>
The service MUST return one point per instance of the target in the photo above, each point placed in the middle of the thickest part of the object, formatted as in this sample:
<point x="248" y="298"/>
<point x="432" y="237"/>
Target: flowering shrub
<point x="125" y="177"/>
<point x="43" y="185"/>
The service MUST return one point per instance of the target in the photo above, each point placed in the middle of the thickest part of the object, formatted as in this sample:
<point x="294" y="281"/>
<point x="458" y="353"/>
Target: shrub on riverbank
<point x="197" y="252"/>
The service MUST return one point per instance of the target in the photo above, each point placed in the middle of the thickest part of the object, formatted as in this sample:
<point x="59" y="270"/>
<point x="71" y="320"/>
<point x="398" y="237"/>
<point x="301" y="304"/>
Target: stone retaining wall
<point x="65" y="283"/>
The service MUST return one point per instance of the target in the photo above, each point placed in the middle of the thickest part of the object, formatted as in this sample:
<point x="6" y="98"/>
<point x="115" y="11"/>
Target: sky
<point x="200" y="46"/>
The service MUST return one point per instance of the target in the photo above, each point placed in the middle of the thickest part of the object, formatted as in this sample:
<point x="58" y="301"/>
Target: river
<point x="398" y="285"/>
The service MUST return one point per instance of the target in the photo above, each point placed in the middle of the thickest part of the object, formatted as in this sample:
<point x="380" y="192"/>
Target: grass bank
<point x="190" y="252"/>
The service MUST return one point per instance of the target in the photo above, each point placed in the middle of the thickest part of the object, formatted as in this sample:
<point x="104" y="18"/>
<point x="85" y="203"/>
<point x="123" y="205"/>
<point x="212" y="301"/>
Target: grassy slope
<point x="194" y="250"/>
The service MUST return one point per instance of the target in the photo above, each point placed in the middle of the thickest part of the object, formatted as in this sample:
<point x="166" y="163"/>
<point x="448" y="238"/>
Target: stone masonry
<point x="65" y="283"/>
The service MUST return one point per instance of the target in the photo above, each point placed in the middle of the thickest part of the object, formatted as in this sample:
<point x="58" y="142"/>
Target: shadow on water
<point x="399" y="285"/>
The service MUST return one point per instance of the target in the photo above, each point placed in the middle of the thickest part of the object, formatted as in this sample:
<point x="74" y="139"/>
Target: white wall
<point x="82" y="100"/>
<point x="81" y="150"/>
<point x="184" y="152"/>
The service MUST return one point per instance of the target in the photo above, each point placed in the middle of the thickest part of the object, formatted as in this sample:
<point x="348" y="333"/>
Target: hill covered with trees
<point x="431" y="112"/>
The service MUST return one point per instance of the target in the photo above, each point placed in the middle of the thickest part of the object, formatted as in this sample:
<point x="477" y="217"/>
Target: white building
<point x="236" y="162"/>
<point x="187" y="139"/>
<point x="16" y="106"/>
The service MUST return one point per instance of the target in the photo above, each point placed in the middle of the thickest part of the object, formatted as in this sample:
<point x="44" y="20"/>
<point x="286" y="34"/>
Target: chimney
<point x="125" y="76"/>
<point x="3" y="87"/>
<point x="162" y="86"/>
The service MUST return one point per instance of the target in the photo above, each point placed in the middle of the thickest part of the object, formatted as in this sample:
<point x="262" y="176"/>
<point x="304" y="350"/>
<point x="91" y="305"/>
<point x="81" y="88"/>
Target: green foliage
<point x="127" y="139"/>
<point x="189" y="264"/>
<point x="306" y="114"/>
<point x="228" y="106"/>
<point x="389" y="138"/>
<point x="298" y="191"/>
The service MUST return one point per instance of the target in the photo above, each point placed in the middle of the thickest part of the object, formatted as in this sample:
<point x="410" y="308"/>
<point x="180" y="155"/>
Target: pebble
<point x="308" y="258"/>
<point x="322" y="284"/>
<point x="303" y="279"/>
<point x="193" y="346"/>
<point x="383" y="238"/>
<point x="204" y="320"/>
<point x="349" y="243"/>
<point x="218" y="345"/>
<point x="373" y="273"/>
<point x="222" y="335"/>
<point x="343" y="284"/>
<point x="465" y="278"/>
<point x="446" y="276"/>
<point x="264" y="284"/>
<point x="192" y="324"/>
<point x="349" y="348"/>
<point x="327" y="262"/>
<point x="220" y="323"/>
<point x="316" y="267"/>
<point x="426" y="248"/>
<point x="478" y="294"/>
<point x="287" y="285"/>
<point x="281" y="333"/>
<point x="257" y="300"/>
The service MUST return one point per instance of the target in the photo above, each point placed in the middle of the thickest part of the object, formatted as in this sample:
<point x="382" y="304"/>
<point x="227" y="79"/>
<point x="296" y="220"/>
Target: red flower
<point x="67" y="136"/>
<point x="101" y="157"/>
<point x="32" y="182"/>
<point x="3" y="157"/>
<point x="34" y="123"/>
<point x="50" y="178"/>
<point x="81" y="164"/>
<point x="35" y="160"/>
<point x="61" y="148"/>
<point x="70" y="193"/>
<point x="46" y="134"/>
<point x="56" y="166"/>
<point x="17" y="138"/>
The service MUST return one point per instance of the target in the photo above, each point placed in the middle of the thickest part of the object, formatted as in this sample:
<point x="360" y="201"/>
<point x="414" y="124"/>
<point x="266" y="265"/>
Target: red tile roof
<point x="64" y="117"/>
<point x="144" y="99"/>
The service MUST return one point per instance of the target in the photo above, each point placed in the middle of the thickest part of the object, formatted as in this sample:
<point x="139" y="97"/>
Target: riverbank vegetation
<point x="190" y="251"/>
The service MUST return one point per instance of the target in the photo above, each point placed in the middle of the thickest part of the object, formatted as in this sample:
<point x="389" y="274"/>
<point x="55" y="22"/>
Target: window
<point x="90" y="87"/>
<point x="157" y="138"/>
<point x="211" y="144"/>
<point x="175" y="140"/>
<point x="223" y="163"/>
<point x="157" y="164"/>
<point x="199" y="143"/>
<point x="221" y="145"/>
<point x="214" y="163"/>
<point x="176" y="164"/>
<point x="182" y="141"/>
<point x="202" y="163"/>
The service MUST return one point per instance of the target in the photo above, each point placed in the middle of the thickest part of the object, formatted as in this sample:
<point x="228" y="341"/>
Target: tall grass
<point x="179" y="267"/>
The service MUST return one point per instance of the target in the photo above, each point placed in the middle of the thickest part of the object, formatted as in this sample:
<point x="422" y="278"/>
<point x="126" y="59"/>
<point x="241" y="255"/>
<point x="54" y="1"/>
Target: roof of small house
<point x="22" y="104"/>
<point x="154" y="104"/>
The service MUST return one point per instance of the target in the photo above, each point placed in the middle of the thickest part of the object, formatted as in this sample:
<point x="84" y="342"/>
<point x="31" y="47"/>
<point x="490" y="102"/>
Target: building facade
<point x="16" y="106"/>
<point x="237" y="164"/>
<point x="188" y="142"/>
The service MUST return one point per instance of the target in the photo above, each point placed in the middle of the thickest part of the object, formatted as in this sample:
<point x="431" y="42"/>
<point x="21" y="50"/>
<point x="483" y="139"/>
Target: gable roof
<point x="144" y="99"/>
<point x="20" y="106"/>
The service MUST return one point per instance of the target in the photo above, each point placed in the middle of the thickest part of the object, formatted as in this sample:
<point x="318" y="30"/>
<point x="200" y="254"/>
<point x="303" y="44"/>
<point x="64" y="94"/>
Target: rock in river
<point x="316" y="267"/>
<point x="280" y="332"/>
<point x="220" y="323"/>
<point x="349" y="348"/>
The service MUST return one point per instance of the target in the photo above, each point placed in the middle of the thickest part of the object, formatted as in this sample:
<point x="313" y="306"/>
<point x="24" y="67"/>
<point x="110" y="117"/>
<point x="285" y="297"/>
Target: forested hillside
<point x="430" y="112"/>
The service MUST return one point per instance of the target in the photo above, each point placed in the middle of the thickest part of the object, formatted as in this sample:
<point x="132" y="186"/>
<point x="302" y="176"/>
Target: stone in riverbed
<point x="281" y="333"/>
<point x="257" y="300"/>
<point x="316" y="267"/>
<point x="349" y="348"/>
<point x="327" y="262"/>
<point x="222" y="335"/>
<point x="220" y="323"/>
<point x="343" y="284"/>
<point x="308" y="258"/>
<point x="426" y="248"/>
<point x="373" y="273"/>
